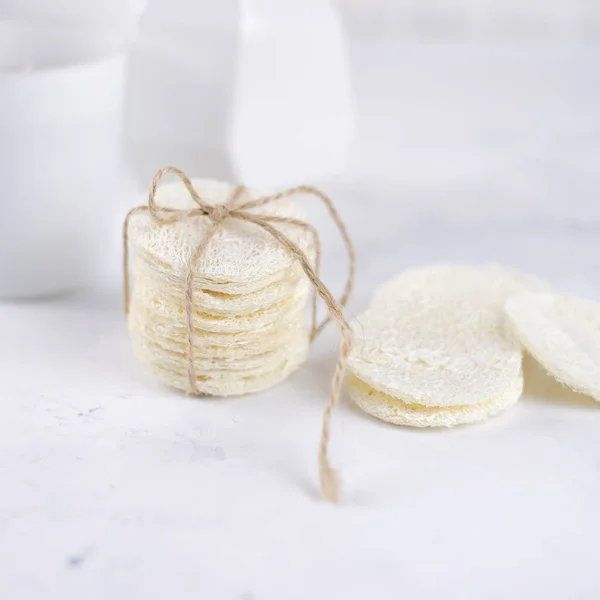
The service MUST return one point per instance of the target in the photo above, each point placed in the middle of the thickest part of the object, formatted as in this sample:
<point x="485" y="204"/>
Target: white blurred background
<point x="476" y="124"/>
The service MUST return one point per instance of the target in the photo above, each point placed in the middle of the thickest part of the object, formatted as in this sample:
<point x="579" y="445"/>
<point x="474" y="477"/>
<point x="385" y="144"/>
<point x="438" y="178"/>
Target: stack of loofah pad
<point x="249" y="296"/>
<point x="434" y="348"/>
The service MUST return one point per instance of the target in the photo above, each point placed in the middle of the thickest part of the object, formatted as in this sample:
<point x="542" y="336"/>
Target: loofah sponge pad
<point x="167" y="311"/>
<point x="489" y="285"/>
<point x="563" y="334"/>
<point x="393" y="410"/>
<point x="436" y="338"/>
<point x="231" y="384"/>
<point x="265" y="362"/>
<point x="144" y="321"/>
<point x="435" y="352"/>
<point x="236" y="363"/>
<point x="241" y="258"/>
<point x="217" y="302"/>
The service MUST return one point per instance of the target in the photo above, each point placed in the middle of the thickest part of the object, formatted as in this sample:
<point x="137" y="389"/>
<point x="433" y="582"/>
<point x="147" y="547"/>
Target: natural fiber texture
<point x="234" y="386"/>
<point x="397" y="412"/>
<point x="240" y="253"/>
<point x="223" y="378"/>
<point x="436" y="338"/>
<point x="436" y="352"/>
<point x="217" y="302"/>
<point x="563" y="334"/>
<point x="182" y="244"/>
<point x="143" y="323"/>
<point x="488" y="285"/>
<point x="164" y="309"/>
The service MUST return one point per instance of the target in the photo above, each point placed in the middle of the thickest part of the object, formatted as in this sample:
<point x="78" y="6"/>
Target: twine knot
<point x="219" y="213"/>
<point x="230" y="209"/>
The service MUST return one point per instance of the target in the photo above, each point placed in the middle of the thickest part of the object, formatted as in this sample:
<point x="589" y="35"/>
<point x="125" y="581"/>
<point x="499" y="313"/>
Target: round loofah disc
<point x="489" y="285"/>
<point x="169" y="311"/>
<point x="437" y="337"/>
<point x="148" y="323"/>
<point x="225" y="383"/>
<point x="563" y="334"/>
<point x="218" y="366"/>
<point x="392" y="410"/>
<point x="216" y="302"/>
<point x="241" y="258"/>
<point x="435" y="352"/>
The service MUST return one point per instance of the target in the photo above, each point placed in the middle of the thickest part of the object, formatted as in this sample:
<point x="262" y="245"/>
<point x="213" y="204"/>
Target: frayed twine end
<point x="330" y="484"/>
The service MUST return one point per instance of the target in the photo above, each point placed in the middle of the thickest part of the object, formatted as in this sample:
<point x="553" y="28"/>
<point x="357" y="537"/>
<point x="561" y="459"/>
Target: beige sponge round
<point x="489" y="285"/>
<point x="242" y="257"/>
<point x="436" y="352"/>
<point x="563" y="334"/>
<point x="435" y="345"/>
<point x="392" y="410"/>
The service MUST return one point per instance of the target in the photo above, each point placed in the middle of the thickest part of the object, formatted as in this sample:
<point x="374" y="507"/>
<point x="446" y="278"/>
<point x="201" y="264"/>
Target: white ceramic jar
<point x="61" y="97"/>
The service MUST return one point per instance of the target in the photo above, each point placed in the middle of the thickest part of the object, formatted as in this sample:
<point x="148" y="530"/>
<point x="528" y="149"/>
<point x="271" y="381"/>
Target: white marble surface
<point x="112" y="486"/>
<point x="115" y="487"/>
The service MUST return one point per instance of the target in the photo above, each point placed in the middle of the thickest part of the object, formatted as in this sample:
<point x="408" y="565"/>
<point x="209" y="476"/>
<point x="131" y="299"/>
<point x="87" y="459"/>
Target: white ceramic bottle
<point x="293" y="116"/>
<point x="180" y="88"/>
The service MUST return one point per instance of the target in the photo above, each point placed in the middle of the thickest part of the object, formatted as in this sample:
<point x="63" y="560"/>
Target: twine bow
<point x="218" y="214"/>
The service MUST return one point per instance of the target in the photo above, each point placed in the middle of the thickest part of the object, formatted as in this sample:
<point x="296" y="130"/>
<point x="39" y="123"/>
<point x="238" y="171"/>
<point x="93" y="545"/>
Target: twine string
<point x="316" y="240"/>
<point x="233" y="208"/>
